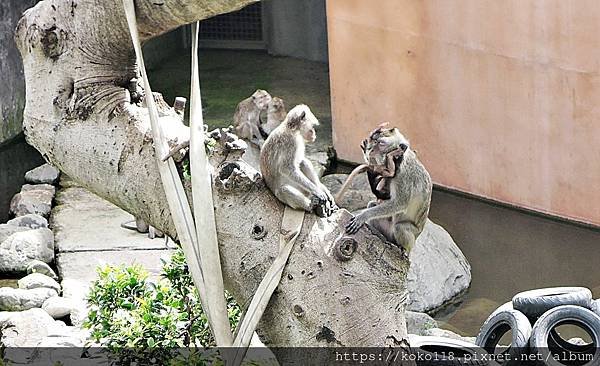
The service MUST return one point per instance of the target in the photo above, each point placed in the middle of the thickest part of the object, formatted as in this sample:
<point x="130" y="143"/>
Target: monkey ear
<point x="302" y="115"/>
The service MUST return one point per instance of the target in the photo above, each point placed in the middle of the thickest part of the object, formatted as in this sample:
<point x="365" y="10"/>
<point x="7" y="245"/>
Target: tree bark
<point x="78" y="60"/>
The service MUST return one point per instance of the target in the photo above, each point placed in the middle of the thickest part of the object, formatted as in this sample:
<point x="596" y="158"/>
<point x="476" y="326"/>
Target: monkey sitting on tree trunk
<point x="285" y="169"/>
<point x="246" y="119"/>
<point x="403" y="201"/>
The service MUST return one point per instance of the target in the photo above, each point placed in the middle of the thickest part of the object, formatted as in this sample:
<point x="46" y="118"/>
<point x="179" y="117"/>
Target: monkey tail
<point x="359" y="169"/>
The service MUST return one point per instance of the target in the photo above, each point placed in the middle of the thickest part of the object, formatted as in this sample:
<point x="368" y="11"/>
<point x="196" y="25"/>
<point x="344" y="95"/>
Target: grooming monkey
<point x="377" y="172"/>
<point x="246" y="119"/>
<point x="275" y="115"/>
<point x="402" y="216"/>
<point x="285" y="169"/>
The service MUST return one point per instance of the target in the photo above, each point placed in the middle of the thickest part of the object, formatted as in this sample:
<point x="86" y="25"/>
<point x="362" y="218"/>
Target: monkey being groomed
<point x="246" y="119"/>
<point x="401" y="184"/>
<point x="285" y="168"/>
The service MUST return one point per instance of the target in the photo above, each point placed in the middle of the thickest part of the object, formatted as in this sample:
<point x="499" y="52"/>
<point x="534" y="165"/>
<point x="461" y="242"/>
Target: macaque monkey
<point x="275" y="115"/>
<point x="285" y="169"/>
<point x="376" y="175"/>
<point x="246" y="119"/>
<point x="403" y="201"/>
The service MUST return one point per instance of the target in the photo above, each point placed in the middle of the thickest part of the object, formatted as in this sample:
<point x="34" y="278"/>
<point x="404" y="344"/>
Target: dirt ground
<point x="229" y="76"/>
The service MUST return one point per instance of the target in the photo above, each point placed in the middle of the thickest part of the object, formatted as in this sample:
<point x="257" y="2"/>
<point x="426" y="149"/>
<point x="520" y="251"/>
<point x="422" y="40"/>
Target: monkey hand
<point x="321" y="205"/>
<point x="355" y="223"/>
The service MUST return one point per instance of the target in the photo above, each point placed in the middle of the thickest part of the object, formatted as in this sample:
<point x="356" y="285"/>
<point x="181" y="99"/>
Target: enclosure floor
<point x="229" y="76"/>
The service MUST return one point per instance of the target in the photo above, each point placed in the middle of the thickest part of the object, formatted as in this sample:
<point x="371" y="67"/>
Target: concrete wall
<point x="500" y="98"/>
<point x="12" y="84"/>
<point x="296" y="28"/>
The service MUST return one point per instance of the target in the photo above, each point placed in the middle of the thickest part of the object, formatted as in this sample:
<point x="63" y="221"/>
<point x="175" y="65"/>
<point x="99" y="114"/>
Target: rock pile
<point x="34" y="314"/>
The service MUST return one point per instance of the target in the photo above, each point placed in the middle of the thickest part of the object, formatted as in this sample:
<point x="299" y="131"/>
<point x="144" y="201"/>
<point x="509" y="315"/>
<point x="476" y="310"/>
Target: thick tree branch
<point x="78" y="61"/>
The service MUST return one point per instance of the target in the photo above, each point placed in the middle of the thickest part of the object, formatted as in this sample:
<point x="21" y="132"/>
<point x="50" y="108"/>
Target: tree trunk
<point x="78" y="60"/>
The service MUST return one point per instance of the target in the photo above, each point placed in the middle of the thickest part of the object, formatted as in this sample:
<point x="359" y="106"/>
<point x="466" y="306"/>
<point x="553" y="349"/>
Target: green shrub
<point x="146" y="322"/>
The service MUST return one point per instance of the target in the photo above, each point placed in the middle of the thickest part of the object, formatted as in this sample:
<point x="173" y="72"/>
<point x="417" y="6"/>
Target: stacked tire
<point x="533" y="317"/>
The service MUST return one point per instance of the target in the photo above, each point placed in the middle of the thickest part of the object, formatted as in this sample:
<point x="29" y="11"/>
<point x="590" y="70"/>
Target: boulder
<point x="26" y="329"/>
<point x="33" y="199"/>
<point x="59" y="307"/>
<point x="437" y="332"/>
<point x="31" y="221"/>
<point x="36" y="266"/>
<point x="19" y="249"/>
<point x="77" y="291"/>
<point x="439" y="271"/>
<point x="7" y="230"/>
<point x="5" y="315"/>
<point x="38" y="280"/>
<point x="417" y="323"/>
<point x="18" y="299"/>
<point x="44" y="174"/>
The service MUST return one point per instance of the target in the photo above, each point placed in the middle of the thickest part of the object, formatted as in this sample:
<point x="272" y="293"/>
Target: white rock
<point x="16" y="299"/>
<point x="31" y="221"/>
<point x="439" y="271"/>
<point x="6" y="230"/>
<point x="58" y="307"/>
<point x="77" y="291"/>
<point x="22" y="332"/>
<point x="35" y="199"/>
<point x="79" y="314"/>
<point x="5" y="315"/>
<point x="19" y="249"/>
<point x="36" y="266"/>
<point x="437" y="332"/>
<point x="55" y="342"/>
<point x="417" y="323"/>
<point x="38" y="280"/>
<point x="26" y="329"/>
<point x="43" y="174"/>
<point x="577" y="341"/>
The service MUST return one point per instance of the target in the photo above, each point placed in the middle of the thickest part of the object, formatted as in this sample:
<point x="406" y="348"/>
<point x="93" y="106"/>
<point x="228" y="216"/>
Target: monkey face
<point x="276" y="104"/>
<point x="301" y="119"/>
<point x="261" y="98"/>
<point x="380" y="142"/>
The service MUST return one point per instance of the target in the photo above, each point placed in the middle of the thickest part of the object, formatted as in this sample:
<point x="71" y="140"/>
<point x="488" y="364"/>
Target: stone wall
<point x="12" y="84"/>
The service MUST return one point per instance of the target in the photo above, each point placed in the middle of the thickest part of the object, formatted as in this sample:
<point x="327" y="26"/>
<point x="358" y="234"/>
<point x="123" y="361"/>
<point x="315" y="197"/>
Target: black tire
<point x="543" y="343"/>
<point x="505" y="319"/>
<point x="435" y="351"/>
<point x="534" y="303"/>
<point x="558" y="344"/>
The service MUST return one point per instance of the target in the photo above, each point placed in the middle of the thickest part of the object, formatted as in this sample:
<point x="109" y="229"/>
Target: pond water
<point x="16" y="158"/>
<point x="511" y="251"/>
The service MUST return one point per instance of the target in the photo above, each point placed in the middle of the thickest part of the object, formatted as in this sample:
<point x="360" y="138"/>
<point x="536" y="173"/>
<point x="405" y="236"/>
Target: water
<point x="16" y="158"/>
<point x="512" y="251"/>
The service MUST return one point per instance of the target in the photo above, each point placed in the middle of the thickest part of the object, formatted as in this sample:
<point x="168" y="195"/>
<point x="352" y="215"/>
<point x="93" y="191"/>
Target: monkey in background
<point x="401" y="212"/>
<point x="285" y="168"/>
<point x="246" y="119"/>
<point x="275" y="115"/>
